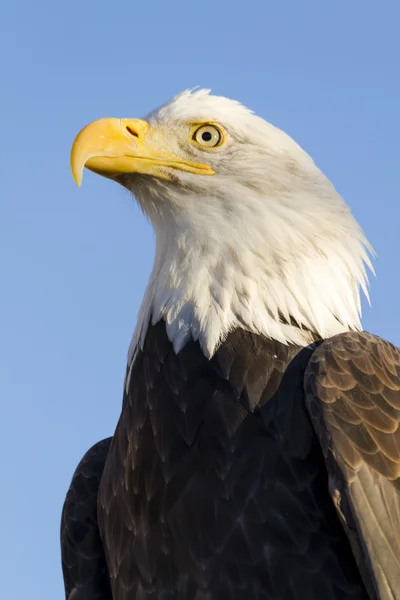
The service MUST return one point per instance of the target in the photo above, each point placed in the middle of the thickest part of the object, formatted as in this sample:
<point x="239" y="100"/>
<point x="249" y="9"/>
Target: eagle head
<point x="249" y="232"/>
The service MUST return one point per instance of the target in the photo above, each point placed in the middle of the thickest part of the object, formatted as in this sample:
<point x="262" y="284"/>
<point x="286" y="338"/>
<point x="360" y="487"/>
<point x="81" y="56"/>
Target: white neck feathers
<point x="289" y="268"/>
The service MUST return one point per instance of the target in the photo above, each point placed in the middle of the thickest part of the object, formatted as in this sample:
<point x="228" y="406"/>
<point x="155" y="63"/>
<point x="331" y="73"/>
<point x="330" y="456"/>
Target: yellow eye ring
<point x="208" y="136"/>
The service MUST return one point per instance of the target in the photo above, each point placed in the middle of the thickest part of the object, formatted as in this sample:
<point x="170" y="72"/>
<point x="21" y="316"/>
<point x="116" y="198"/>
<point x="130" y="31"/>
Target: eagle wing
<point x="83" y="560"/>
<point x="352" y="386"/>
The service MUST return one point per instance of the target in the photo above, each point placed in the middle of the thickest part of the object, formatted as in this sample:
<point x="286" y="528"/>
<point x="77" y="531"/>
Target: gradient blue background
<point x="74" y="263"/>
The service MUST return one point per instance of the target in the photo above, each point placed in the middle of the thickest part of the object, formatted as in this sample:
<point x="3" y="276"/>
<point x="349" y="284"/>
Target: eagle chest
<point x="192" y="471"/>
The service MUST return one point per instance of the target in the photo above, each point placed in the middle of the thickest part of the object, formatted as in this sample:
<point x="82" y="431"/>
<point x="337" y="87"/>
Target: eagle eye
<point x="208" y="136"/>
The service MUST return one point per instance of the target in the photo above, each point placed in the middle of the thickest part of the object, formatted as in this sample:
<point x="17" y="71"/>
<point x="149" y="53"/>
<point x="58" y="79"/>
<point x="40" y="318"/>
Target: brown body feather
<point x="215" y="485"/>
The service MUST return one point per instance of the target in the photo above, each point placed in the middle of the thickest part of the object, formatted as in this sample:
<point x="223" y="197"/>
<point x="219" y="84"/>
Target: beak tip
<point x="77" y="175"/>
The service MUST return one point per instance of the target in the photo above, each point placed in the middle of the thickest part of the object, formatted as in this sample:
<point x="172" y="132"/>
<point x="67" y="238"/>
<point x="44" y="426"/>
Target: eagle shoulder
<point x="352" y="386"/>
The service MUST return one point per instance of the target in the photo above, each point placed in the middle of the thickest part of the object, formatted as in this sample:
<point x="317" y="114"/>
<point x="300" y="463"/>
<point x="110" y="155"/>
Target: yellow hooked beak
<point x="111" y="147"/>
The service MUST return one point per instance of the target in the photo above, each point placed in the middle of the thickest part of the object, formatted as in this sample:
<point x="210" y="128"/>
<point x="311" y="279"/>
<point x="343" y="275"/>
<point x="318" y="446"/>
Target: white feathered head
<point x="249" y="232"/>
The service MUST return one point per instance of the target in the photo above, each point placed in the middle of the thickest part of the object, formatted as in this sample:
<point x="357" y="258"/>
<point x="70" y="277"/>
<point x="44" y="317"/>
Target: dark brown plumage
<point x="217" y="483"/>
<point x="83" y="560"/>
<point x="353" y="394"/>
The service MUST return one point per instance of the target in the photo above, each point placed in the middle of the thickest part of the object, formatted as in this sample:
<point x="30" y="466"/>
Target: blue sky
<point x="74" y="263"/>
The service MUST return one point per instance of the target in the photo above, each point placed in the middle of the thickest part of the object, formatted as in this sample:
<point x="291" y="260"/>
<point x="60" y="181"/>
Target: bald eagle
<point x="257" y="455"/>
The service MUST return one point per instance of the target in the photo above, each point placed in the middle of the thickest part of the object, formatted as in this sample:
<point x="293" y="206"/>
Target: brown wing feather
<point x="353" y="395"/>
<point x="83" y="560"/>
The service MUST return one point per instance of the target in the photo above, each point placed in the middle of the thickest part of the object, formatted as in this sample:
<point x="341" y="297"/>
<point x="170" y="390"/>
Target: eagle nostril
<point x="132" y="131"/>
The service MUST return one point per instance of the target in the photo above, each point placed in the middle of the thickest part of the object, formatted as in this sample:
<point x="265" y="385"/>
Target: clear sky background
<point x="74" y="263"/>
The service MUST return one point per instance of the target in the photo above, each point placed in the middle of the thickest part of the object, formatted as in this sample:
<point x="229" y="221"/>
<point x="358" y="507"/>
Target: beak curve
<point x="111" y="147"/>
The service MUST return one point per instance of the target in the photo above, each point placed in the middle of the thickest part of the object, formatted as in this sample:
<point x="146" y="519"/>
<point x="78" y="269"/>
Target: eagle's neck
<point x="210" y="278"/>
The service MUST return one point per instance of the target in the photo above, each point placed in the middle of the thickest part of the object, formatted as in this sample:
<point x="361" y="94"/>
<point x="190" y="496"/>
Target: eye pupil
<point x="206" y="136"/>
